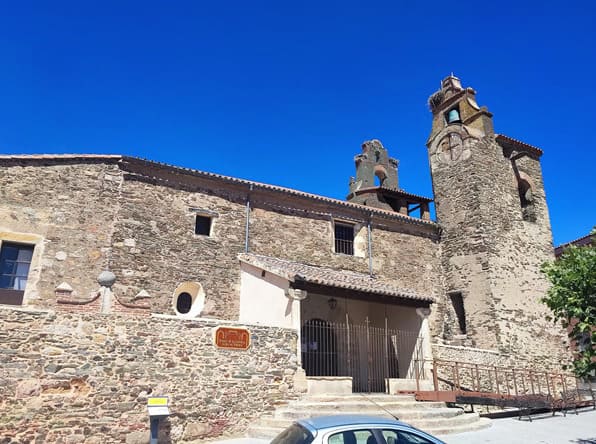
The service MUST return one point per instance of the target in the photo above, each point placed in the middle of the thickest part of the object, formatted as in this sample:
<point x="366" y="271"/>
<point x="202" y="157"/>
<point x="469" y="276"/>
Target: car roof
<point x="328" y="421"/>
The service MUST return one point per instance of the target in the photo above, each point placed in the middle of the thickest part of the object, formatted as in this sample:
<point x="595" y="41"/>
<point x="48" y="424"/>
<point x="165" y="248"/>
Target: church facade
<point x="141" y="261"/>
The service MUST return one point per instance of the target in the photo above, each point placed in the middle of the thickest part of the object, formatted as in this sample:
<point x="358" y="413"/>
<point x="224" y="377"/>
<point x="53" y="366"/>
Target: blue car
<point x="353" y="429"/>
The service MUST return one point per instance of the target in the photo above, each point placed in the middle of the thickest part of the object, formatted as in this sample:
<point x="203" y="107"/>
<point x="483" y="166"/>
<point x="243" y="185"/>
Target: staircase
<point x="432" y="417"/>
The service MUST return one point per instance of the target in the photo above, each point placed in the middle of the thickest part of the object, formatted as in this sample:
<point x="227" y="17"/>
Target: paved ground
<point x="544" y="429"/>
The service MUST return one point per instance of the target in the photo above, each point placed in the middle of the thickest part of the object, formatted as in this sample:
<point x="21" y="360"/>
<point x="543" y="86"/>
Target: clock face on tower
<point x="451" y="148"/>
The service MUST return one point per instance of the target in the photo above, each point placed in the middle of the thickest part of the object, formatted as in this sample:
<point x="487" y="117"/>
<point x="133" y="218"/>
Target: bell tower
<point x="491" y="205"/>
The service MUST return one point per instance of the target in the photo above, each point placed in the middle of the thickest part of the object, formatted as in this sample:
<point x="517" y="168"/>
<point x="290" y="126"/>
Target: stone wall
<point x="492" y="255"/>
<point x="67" y="210"/>
<point x="518" y="248"/>
<point x="411" y="262"/>
<point x="156" y="248"/>
<point x="85" y="378"/>
<point x="89" y="215"/>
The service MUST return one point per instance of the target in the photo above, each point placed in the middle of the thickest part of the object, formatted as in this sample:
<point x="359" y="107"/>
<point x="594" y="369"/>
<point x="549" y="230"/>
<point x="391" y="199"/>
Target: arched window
<point x="188" y="299"/>
<point x="525" y="193"/>
<point x="526" y="198"/>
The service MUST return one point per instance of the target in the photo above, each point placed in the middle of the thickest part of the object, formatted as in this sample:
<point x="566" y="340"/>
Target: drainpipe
<point x="370" y="262"/>
<point x="246" y="231"/>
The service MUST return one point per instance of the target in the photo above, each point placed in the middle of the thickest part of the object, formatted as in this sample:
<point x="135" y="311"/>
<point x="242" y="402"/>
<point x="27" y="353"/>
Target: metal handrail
<point x="504" y="381"/>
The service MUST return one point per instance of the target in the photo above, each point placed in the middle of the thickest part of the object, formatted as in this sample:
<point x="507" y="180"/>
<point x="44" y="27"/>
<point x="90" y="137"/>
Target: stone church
<point x="116" y="272"/>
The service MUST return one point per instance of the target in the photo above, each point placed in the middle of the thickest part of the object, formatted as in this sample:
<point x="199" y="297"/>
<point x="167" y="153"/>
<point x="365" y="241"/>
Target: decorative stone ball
<point x="106" y="279"/>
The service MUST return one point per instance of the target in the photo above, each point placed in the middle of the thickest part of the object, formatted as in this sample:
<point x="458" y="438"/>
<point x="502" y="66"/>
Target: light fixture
<point x="332" y="303"/>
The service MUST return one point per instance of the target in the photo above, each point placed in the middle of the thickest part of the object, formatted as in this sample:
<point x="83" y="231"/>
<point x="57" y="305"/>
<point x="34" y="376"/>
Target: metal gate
<point x="369" y="354"/>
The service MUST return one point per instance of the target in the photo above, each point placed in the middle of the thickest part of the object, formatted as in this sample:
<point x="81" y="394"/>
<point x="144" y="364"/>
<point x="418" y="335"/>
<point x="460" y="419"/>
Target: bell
<point x="453" y="116"/>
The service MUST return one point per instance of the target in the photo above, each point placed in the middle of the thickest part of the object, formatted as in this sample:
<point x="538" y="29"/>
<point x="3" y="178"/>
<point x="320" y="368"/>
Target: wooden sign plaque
<point x="232" y="338"/>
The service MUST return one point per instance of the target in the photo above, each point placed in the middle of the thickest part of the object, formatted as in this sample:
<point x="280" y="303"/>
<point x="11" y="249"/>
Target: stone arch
<point x="525" y="188"/>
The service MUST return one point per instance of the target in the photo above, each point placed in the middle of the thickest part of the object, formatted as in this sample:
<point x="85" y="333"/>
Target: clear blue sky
<point x="285" y="92"/>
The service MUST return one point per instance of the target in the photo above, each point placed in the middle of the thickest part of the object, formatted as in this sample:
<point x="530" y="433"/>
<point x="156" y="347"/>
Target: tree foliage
<point x="572" y="300"/>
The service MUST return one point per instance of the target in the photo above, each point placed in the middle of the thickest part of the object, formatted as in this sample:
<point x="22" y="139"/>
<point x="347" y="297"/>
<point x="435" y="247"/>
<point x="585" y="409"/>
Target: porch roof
<point x="329" y="277"/>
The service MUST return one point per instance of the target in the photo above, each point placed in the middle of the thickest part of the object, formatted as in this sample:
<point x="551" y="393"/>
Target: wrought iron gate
<point x="369" y="354"/>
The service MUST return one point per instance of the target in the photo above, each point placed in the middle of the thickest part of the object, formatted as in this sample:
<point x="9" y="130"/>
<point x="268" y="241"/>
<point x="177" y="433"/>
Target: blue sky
<point x="286" y="92"/>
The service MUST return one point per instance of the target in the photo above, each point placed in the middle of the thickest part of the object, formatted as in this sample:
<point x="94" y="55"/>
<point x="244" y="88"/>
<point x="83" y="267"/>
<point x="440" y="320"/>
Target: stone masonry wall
<point x="69" y="209"/>
<point x="410" y="261"/>
<point x="493" y="256"/>
<point x="156" y="248"/>
<point x="465" y="257"/>
<point x="91" y="216"/>
<point x="85" y="378"/>
<point x="518" y="248"/>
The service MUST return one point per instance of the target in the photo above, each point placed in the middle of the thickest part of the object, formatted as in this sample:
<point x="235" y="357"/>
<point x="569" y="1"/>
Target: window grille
<point x="344" y="239"/>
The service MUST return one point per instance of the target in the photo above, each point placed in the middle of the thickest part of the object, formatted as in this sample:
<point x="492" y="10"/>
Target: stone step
<point x="263" y="432"/>
<point x="297" y="412"/>
<point x="271" y="430"/>
<point x="367" y="405"/>
<point x="377" y="397"/>
<point x="481" y="423"/>
<point x="441" y="418"/>
<point x="433" y="424"/>
<point x="433" y="417"/>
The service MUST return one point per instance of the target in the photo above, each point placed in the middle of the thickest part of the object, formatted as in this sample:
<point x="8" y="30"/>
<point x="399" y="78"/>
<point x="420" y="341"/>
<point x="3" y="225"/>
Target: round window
<point x="183" y="303"/>
<point x="188" y="299"/>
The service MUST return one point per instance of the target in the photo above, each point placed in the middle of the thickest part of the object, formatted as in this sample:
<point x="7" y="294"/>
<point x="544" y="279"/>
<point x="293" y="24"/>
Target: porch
<point x="356" y="333"/>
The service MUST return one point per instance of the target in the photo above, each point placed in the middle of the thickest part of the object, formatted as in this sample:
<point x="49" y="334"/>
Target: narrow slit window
<point x="457" y="301"/>
<point x="203" y="225"/>
<point x="344" y="238"/>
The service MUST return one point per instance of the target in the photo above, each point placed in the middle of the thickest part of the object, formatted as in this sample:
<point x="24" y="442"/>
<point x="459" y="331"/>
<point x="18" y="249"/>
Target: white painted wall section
<point x="263" y="299"/>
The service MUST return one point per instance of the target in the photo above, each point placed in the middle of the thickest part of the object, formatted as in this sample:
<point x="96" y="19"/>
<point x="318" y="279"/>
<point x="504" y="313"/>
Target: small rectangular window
<point x="15" y="261"/>
<point x="344" y="238"/>
<point x="203" y="225"/>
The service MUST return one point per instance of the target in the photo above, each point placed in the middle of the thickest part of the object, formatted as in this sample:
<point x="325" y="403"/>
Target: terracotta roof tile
<point x="290" y="191"/>
<point x="346" y="279"/>
<point x="506" y="140"/>
<point x="230" y="179"/>
<point x="583" y="241"/>
<point x="59" y="156"/>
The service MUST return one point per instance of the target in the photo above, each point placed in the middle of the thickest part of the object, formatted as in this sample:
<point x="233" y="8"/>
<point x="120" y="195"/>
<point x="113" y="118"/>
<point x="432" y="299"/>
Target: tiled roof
<point x="290" y="191"/>
<point x="60" y="156"/>
<point x="229" y="179"/>
<point x="518" y="144"/>
<point x="581" y="242"/>
<point x="396" y="192"/>
<point x="345" y="279"/>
